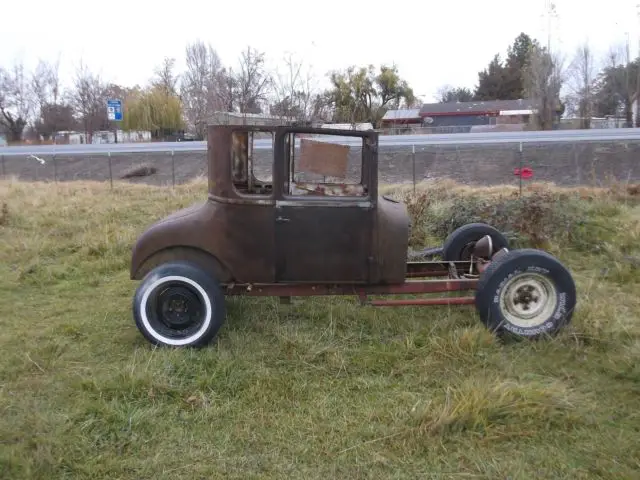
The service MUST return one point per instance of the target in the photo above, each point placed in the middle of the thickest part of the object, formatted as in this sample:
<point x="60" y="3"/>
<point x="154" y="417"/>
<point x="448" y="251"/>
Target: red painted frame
<point x="410" y="286"/>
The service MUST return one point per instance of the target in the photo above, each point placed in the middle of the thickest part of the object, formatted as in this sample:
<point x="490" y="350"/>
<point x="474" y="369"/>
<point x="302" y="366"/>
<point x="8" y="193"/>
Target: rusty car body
<point x="317" y="225"/>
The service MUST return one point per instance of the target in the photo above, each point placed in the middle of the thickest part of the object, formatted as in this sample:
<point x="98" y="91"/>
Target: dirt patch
<point x="139" y="171"/>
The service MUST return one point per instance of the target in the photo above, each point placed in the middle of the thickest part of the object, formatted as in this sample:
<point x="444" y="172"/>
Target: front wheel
<point x="526" y="293"/>
<point x="177" y="304"/>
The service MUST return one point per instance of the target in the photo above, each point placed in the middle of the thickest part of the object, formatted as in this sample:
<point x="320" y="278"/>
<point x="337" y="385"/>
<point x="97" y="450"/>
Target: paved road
<point x="567" y="136"/>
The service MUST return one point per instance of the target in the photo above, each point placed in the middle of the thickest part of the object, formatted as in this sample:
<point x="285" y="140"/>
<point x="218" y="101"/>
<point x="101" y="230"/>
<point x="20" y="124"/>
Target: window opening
<point x="324" y="165"/>
<point x="252" y="162"/>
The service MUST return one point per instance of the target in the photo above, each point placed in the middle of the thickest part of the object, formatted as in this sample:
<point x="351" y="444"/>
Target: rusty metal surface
<point x="323" y="158"/>
<point x="239" y="236"/>
<point x="321" y="289"/>
<point x="319" y="243"/>
<point x="228" y="171"/>
<point x="434" y="268"/>
<point x="423" y="302"/>
<point x="391" y="242"/>
<point x="257" y="232"/>
<point x="329" y="190"/>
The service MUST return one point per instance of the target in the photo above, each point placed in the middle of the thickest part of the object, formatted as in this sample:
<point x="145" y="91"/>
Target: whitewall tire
<point x="178" y="304"/>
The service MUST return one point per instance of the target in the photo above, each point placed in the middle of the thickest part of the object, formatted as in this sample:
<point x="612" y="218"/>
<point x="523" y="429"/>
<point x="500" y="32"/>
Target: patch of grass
<point x="494" y="407"/>
<point x="322" y="387"/>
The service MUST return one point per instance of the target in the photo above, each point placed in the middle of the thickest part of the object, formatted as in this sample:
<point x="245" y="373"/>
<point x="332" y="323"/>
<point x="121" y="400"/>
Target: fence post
<point x="413" y="156"/>
<point x="55" y="169"/>
<point x="520" y="155"/>
<point x="110" y="172"/>
<point x="173" y="170"/>
<point x="4" y="172"/>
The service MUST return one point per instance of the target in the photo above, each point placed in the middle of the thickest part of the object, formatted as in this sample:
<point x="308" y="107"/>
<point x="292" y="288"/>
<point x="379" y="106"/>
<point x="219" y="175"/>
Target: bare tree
<point x="614" y="56"/>
<point x="88" y="99"/>
<point x="226" y="85"/>
<point x="322" y="107"/>
<point x="293" y="91"/>
<point x="581" y="74"/>
<point x="204" y="85"/>
<point x="252" y="81"/>
<point x="543" y="79"/>
<point x="52" y="114"/>
<point x="45" y="83"/>
<point x="164" y="78"/>
<point x="625" y="79"/>
<point x="16" y="101"/>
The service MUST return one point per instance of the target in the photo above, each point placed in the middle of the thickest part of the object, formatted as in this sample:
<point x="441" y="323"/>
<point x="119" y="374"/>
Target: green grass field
<point x="322" y="388"/>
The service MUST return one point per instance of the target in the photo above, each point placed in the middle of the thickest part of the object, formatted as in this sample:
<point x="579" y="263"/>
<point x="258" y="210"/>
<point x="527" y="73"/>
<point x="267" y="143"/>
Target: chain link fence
<point x="564" y="163"/>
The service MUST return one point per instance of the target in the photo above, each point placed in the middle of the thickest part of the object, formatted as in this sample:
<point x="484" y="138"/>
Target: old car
<point x="312" y="222"/>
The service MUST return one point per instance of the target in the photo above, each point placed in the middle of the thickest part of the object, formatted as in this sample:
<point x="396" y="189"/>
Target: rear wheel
<point x="177" y="304"/>
<point x="459" y="244"/>
<point x="526" y="293"/>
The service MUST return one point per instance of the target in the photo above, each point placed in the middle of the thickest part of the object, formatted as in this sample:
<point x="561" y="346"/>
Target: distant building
<point x="406" y="116"/>
<point x="69" y="137"/>
<point x="102" y="136"/>
<point x="257" y="119"/>
<point x="469" y="114"/>
<point x="349" y="126"/>
<point x="461" y="116"/>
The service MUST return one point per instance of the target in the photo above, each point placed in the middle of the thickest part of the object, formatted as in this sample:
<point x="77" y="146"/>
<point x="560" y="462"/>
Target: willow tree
<point x="154" y="110"/>
<point x="363" y="94"/>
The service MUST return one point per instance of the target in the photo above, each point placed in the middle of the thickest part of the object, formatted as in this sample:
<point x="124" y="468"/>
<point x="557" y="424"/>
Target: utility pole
<point x="551" y="13"/>
<point x="628" y="99"/>
<point x="637" y="99"/>
<point x="549" y="9"/>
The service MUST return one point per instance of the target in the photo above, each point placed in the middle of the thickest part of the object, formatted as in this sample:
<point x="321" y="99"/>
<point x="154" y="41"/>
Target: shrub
<point x="536" y="219"/>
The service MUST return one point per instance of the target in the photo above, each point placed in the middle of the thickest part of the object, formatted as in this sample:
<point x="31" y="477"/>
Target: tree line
<point x="36" y="104"/>
<point x="582" y="86"/>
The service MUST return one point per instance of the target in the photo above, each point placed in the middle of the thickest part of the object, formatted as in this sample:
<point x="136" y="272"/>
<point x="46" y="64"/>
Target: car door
<point x="323" y="229"/>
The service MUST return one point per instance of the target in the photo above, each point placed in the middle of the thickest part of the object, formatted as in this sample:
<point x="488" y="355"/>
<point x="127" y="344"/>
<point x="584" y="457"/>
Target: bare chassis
<point x="460" y="277"/>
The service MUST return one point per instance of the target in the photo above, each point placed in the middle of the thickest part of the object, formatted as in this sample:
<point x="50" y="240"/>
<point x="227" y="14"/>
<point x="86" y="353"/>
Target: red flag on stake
<point x="525" y="173"/>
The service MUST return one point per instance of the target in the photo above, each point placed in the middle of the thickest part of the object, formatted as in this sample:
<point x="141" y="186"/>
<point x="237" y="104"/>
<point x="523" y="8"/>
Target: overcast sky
<point x="432" y="42"/>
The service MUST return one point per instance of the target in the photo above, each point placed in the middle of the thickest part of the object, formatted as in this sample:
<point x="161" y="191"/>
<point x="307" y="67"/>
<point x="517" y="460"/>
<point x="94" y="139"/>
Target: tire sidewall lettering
<point x="537" y="269"/>
<point x="540" y="329"/>
<point x="553" y="322"/>
<point x="561" y="308"/>
<point x="499" y="288"/>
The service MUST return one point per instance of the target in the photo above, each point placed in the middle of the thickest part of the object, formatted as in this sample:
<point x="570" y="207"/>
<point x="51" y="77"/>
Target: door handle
<point x="282" y="219"/>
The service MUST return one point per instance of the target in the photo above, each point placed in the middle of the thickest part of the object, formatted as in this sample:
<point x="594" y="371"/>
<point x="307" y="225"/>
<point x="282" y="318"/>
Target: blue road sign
<point x="114" y="110"/>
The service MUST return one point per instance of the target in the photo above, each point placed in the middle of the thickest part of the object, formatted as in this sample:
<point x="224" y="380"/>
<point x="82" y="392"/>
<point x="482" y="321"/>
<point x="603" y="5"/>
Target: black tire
<point x="182" y="280"/>
<point x="503" y="305"/>
<point x="458" y="245"/>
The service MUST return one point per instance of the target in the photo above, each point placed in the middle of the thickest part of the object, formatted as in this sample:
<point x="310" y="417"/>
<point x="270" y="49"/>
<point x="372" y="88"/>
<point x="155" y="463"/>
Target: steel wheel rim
<point x="154" y="302"/>
<point x="179" y="307"/>
<point x="528" y="300"/>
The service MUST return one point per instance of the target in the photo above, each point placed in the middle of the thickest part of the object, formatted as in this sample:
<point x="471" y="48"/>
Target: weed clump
<point x="538" y="219"/>
<point x="490" y="408"/>
<point x="4" y="214"/>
